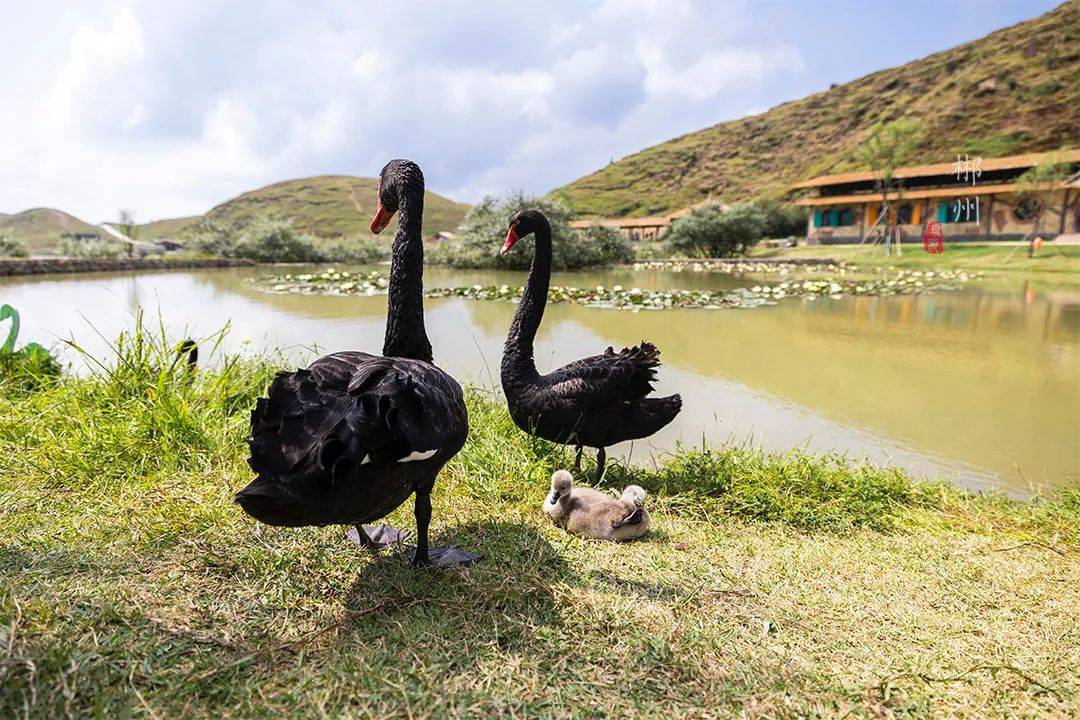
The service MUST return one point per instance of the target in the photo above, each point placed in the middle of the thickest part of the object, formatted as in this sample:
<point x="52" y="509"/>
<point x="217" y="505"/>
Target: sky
<point x="169" y="108"/>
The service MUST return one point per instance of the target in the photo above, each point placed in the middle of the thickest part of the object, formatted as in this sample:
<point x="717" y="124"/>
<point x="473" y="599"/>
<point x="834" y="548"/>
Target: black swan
<point x="594" y="402"/>
<point x="350" y="438"/>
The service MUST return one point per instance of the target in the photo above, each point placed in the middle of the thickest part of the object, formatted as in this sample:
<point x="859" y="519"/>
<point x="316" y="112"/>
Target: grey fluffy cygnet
<point x="588" y="512"/>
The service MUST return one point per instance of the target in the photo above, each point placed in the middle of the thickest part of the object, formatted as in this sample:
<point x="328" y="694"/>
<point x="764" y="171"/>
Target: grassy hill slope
<point x="39" y="229"/>
<point x="325" y="206"/>
<point x="1013" y="91"/>
<point x="166" y="228"/>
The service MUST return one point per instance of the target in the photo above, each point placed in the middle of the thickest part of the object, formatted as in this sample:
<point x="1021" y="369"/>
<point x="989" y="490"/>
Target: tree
<point x="127" y="225"/>
<point x="889" y="146"/>
<point x="481" y="235"/>
<point x="715" y="231"/>
<point x="1033" y="190"/>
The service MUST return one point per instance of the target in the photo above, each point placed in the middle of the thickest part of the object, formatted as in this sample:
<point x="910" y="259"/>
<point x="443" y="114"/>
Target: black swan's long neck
<point x="518" y="363"/>
<point x="406" y="336"/>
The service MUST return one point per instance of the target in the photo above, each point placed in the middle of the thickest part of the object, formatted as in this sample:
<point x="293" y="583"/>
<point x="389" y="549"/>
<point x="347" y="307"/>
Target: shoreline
<point x="59" y="266"/>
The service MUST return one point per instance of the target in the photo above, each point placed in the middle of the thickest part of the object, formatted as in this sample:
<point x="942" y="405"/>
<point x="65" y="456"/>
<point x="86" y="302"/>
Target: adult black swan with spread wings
<point x="350" y="438"/>
<point x="595" y="402"/>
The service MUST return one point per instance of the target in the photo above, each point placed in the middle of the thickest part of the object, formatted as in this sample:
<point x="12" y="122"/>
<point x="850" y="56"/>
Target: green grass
<point x="771" y="585"/>
<point x="1064" y="259"/>
<point x="1035" y="66"/>
<point x="325" y="206"/>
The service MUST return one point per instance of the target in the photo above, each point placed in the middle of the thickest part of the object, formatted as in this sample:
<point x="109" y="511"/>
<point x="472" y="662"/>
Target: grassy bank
<point x="777" y="586"/>
<point x="1063" y="259"/>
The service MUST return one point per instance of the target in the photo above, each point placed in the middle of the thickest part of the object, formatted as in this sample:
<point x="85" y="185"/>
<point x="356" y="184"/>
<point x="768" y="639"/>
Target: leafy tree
<point x="127" y="225"/>
<point x="888" y="147"/>
<point x="480" y="237"/>
<point x="713" y="231"/>
<point x="1034" y="188"/>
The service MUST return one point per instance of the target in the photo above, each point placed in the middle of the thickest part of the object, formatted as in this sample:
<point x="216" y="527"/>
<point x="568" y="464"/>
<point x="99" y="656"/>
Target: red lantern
<point x="933" y="241"/>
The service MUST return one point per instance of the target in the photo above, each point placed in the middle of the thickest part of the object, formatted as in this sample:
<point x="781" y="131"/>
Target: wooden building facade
<point x="973" y="199"/>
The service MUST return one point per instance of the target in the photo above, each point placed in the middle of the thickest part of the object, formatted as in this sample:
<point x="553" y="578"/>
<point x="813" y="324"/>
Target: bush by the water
<point x="783" y="220"/>
<point x="358" y="251"/>
<point x="273" y="241"/>
<point x="482" y="234"/>
<point x="715" y="231"/>
<point x="91" y="248"/>
<point x="10" y="247"/>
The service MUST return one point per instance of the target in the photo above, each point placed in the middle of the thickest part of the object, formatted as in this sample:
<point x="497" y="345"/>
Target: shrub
<point x="481" y="235"/>
<point x="359" y="250"/>
<point x="91" y="248"/>
<point x="783" y="220"/>
<point x="712" y="231"/>
<point x="10" y="247"/>
<point x="275" y="241"/>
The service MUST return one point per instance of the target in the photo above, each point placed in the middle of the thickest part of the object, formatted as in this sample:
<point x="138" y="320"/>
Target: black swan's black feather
<point x="597" y="401"/>
<point x="349" y="438"/>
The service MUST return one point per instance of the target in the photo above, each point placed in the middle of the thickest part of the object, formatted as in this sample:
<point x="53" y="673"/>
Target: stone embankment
<point x="46" y="266"/>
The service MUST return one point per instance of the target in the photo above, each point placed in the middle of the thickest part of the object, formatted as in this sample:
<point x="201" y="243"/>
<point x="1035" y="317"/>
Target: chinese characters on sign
<point x="932" y="240"/>
<point x="966" y="168"/>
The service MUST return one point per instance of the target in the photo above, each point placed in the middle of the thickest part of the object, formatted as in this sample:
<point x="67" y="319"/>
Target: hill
<point x="1015" y="90"/>
<point x="325" y="206"/>
<point x="39" y="229"/>
<point x="157" y="229"/>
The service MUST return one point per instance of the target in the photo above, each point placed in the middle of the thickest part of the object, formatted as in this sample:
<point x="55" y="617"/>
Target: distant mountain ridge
<point x="1013" y="91"/>
<point x="39" y="229"/>
<point x="324" y="205"/>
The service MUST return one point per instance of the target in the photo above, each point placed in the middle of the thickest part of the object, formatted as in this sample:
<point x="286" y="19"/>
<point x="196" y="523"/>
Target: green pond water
<point x="979" y="386"/>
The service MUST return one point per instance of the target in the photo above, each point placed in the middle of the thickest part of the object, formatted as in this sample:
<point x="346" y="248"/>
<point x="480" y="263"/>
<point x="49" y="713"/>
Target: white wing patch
<point x="418" y="456"/>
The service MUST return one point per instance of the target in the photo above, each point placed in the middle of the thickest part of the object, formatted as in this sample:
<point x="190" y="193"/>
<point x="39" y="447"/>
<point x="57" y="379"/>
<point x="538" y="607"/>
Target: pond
<point x="979" y="386"/>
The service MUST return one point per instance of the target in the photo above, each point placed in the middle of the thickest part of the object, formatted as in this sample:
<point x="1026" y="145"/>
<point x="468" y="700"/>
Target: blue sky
<point x="168" y="108"/>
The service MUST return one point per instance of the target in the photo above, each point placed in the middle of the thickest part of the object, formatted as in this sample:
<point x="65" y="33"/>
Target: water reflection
<point x="981" y="385"/>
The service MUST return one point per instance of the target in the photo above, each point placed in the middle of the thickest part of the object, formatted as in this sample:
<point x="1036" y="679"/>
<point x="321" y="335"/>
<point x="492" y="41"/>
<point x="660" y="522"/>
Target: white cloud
<point x="170" y="108"/>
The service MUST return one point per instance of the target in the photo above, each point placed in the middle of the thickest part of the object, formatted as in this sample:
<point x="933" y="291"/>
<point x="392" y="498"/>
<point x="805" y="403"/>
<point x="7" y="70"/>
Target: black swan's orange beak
<point x="511" y="238"/>
<point x="381" y="220"/>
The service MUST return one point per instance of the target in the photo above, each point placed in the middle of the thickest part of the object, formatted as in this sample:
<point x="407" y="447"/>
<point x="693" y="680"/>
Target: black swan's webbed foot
<point x="376" y="537"/>
<point x="446" y="556"/>
<point x="601" y="460"/>
<point x="434" y="556"/>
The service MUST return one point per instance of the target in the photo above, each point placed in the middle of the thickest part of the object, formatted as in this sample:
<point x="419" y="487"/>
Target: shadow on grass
<point x="500" y="600"/>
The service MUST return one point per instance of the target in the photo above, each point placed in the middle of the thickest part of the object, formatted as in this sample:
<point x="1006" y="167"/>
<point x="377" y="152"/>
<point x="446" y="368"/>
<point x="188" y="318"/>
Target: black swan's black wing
<point x="613" y="376"/>
<point x="317" y="428"/>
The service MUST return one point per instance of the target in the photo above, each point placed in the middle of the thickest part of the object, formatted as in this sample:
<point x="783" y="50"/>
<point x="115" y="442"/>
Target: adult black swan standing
<point x="350" y="438"/>
<point x="595" y="402"/>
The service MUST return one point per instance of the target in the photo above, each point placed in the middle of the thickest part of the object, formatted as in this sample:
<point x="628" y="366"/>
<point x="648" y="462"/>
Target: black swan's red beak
<point x="381" y="220"/>
<point x="511" y="238"/>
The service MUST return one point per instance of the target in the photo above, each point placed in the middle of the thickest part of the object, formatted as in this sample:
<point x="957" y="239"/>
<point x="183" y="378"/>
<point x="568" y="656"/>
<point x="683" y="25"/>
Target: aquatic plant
<point x="904" y="282"/>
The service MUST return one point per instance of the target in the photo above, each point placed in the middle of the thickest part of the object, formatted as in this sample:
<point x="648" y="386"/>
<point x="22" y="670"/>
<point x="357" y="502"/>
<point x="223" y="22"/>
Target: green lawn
<point x="984" y="257"/>
<point x="772" y="586"/>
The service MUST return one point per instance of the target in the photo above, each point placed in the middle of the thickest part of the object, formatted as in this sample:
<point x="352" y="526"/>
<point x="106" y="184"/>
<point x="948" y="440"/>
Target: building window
<point x="845" y="218"/>
<point x="960" y="210"/>
<point x="905" y="213"/>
